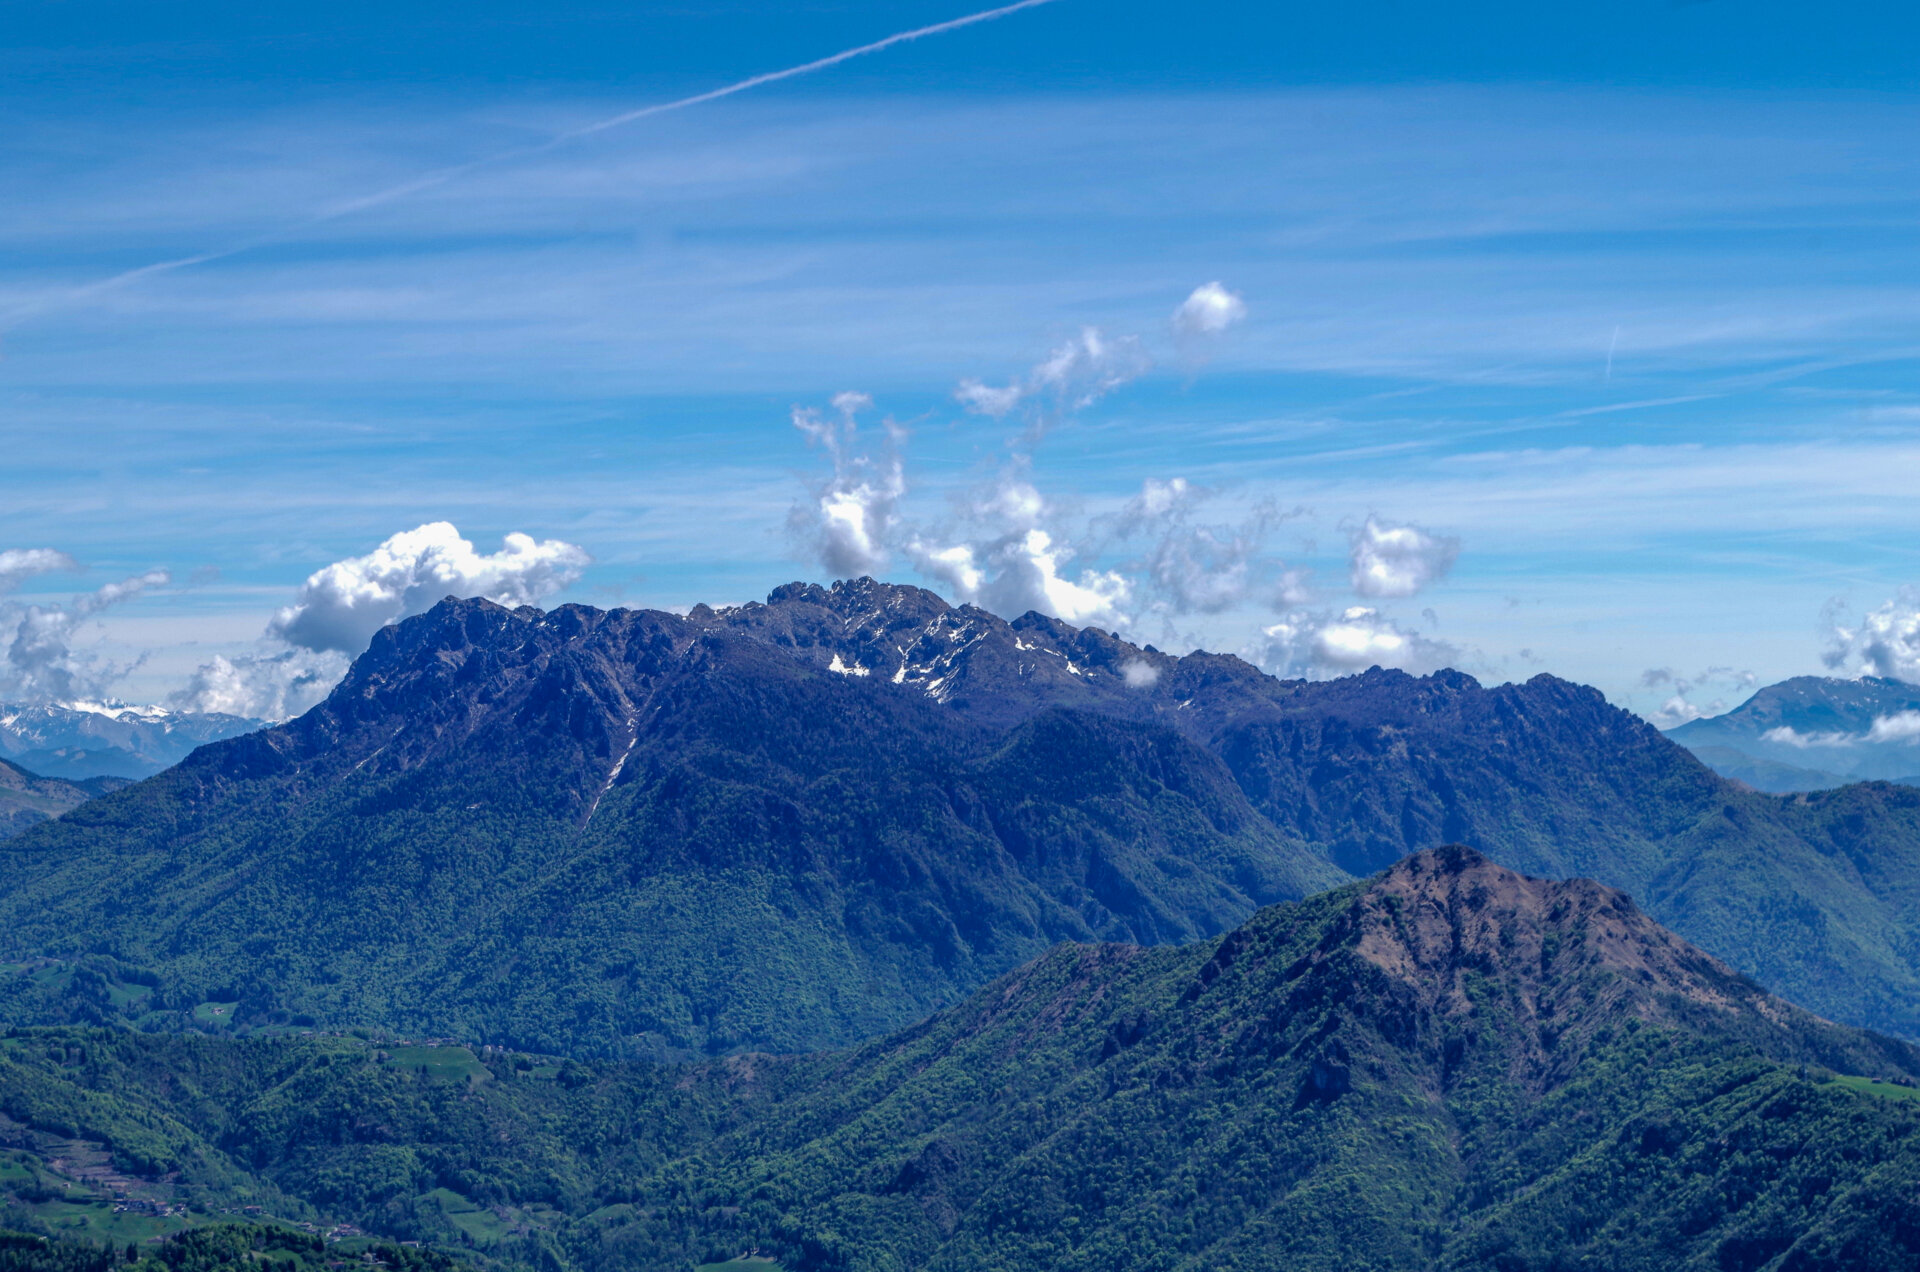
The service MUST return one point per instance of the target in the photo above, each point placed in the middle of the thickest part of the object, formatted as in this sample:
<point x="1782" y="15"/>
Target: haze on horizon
<point x="1580" y="342"/>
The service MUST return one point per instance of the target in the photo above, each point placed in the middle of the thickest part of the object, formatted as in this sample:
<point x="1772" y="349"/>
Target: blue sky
<point x="1616" y="309"/>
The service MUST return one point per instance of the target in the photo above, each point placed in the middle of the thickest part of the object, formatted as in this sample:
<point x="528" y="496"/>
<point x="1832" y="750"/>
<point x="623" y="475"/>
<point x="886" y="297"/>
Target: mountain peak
<point x="1445" y="912"/>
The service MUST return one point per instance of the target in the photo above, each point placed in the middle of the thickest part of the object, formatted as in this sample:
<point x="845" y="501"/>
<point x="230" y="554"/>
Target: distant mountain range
<point x="27" y="799"/>
<point x="797" y="824"/>
<point x="1814" y="733"/>
<point x="1449" y="1066"/>
<point x="76" y="741"/>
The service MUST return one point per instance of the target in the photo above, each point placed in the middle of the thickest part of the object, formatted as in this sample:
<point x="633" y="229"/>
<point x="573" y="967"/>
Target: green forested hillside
<point x="1449" y="1067"/>
<point x="797" y="824"/>
<point x="220" y="1247"/>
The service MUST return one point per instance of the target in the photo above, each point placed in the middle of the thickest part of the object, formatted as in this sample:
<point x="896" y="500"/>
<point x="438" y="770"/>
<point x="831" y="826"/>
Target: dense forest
<point x="1450" y="1066"/>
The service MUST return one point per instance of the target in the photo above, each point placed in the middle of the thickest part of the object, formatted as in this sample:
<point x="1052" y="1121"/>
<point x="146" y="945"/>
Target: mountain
<point x="795" y="824"/>
<point x="1449" y="1066"/>
<point x="76" y="741"/>
<point x="1813" y="733"/>
<point x="634" y="831"/>
<point x="26" y="799"/>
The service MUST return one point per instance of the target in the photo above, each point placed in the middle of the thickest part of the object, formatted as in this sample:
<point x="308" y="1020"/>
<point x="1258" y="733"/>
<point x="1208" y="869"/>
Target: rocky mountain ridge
<point x="793" y="824"/>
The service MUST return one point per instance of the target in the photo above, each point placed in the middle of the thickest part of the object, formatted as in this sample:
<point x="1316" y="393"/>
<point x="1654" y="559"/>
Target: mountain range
<point x="798" y="824"/>
<point x="76" y="741"/>
<point x="1814" y="733"/>
<point x="27" y="799"/>
<point x="1448" y="1066"/>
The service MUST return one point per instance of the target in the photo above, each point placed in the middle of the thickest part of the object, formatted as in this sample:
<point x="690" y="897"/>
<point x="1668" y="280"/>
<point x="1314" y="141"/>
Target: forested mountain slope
<point x="794" y="824"/>
<point x="1448" y="1067"/>
<point x="594" y="831"/>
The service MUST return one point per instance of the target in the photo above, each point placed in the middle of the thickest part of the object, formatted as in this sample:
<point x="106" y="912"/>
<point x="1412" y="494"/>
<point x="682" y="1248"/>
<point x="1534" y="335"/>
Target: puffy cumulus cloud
<point x="1210" y="310"/>
<point x="1391" y="561"/>
<point x="849" y="517"/>
<point x="1884" y="642"/>
<point x="1139" y="674"/>
<point x="339" y="608"/>
<point x="1679" y="706"/>
<point x="1025" y="570"/>
<point x="271" y="686"/>
<point x="41" y="662"/>
<point x="1316" y="645"/>
<point x="1076" y="374"/>
<point x="1006" y="554"/>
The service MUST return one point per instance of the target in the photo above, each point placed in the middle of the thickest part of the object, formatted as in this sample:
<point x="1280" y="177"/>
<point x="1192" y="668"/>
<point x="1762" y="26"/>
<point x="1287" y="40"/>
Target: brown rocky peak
<point x="1452" y="924"/>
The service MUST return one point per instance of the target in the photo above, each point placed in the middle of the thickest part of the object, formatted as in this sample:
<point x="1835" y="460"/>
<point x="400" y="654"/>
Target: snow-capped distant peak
<point x="117" y="710"/>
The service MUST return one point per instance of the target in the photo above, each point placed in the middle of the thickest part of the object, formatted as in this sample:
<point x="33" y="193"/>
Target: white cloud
<point x="1192" y="567"/>
<point x="342" y="606"/>
<point x="1679" y="708"/>
<point x="1901" y="726"/>
<point x="1897" y="727"/>
<point x="19" y="564"/>
<point x="1076" y="374"/>
<point x="850" y="516"/>
<point x="41" y="663"/>
<point x="1885" y="642"/>
<point x="1787" y="735"/>
<point x="1139" y="674"/>
<point x="1088" y="367"/>
<point x="1389" y="560"/>
<point x="1023" y="570"/>
<point x="274" y="686"/>
<point x="1210" y="310"/>
<point x="984" y="399"/>
<point x="1318" y="645"/>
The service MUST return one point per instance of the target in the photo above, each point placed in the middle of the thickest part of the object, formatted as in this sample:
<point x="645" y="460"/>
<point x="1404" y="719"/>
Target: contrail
<point x="440" y="176"/>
